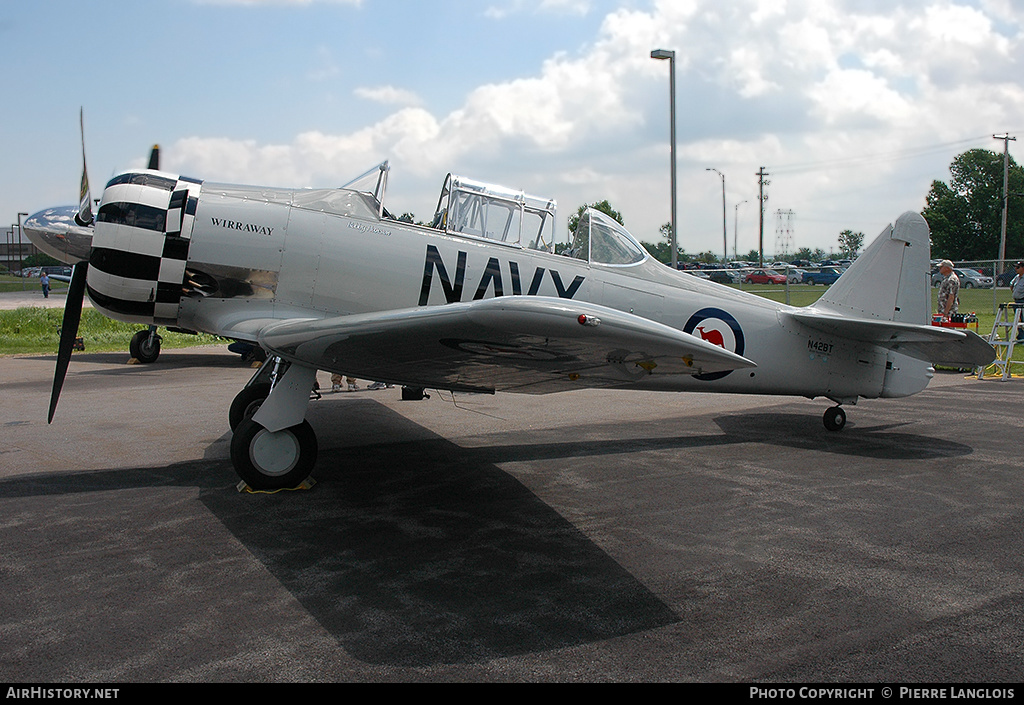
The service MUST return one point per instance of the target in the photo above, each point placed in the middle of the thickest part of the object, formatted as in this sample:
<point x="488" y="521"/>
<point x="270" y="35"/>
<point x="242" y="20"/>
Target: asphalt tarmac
<point x="588" y="536"/>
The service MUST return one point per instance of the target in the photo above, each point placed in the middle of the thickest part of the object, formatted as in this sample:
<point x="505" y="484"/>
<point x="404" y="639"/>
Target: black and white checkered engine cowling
<point x="140" y="246"/>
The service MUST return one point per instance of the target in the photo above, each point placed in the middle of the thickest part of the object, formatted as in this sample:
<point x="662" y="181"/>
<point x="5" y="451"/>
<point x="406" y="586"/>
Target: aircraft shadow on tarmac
<point x="413" y="554"/>
<point x="875" y="441"/>
<point x="419" y="552"/>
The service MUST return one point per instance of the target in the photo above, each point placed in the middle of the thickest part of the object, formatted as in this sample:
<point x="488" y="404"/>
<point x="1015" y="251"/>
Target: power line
<point x="867" y="159"/>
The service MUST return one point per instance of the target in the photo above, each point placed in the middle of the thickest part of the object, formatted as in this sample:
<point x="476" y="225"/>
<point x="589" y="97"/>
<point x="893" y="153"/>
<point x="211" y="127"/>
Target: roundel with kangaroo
<point x="718" y="327"/>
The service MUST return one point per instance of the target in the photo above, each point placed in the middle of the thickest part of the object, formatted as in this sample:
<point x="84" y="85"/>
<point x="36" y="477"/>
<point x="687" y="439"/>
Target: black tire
<point x="142" y="349"/>
<point x="246" y="403"/>
<point x="968" y="285"/>
<point x="273" y="461"/>
<point x="834" y="418"/>
<point x="809" y="282"/>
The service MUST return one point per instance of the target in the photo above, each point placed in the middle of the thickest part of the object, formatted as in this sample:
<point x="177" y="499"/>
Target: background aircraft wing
<point x="942" y="346"/>
<point x="525" y="344"/>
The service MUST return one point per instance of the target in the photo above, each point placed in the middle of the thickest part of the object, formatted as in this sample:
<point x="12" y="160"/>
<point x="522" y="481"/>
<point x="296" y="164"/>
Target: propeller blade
<point x="68" y="331"/>
<point x="84" y="216"/>
<point x="154" y="158"/>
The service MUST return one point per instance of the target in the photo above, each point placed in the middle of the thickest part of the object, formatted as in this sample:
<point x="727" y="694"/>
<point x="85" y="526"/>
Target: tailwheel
<point x="273" y="460"/>
<point x="835" y="418"/>
<point x="145" y="346"/>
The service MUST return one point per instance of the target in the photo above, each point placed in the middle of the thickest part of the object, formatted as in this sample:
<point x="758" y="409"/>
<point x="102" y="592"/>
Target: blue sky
<point x="853" y="106"/>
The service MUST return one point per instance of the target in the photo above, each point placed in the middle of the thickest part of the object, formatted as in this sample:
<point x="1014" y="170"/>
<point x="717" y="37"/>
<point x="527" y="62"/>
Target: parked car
<point x="725" y="276"/>
<point x="795" y="275"/>
<point x="969" y="279"/>
<point x="1006" y="278"/>
<point x="764" y="276"/>
<point x="826" y="275"/>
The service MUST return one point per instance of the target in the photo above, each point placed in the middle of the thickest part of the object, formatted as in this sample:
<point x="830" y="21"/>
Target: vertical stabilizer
<point x="890" y="281"/>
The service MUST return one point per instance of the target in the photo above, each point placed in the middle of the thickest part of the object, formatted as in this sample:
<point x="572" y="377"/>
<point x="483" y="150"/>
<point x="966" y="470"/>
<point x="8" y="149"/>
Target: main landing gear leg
<point x="835" y="418"/>
<point x="276" y="448"/>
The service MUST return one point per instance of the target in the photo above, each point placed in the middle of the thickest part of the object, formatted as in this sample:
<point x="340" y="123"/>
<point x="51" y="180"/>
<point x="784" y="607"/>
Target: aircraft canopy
<point x="601" y="239"/>
<point x="496" y="213"/>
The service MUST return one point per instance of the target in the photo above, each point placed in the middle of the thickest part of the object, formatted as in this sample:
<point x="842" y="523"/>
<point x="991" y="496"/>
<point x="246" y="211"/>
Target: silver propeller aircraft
<point x="327" y="279"/>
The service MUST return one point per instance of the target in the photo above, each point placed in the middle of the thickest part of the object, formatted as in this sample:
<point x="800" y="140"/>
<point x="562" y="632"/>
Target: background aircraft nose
<point x="55" y="232"/>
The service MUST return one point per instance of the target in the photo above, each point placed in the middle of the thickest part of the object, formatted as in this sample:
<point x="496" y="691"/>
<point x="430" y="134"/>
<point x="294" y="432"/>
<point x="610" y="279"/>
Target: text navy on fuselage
<point x="492" y="277"/>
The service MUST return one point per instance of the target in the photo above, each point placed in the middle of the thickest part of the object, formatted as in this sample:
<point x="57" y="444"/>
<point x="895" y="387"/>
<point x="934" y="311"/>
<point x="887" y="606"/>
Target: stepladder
<point x="1006" y="334"/>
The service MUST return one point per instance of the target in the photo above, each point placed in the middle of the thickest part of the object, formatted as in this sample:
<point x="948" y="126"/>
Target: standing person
<point x="44" y="281"/>
<point x="1018" y="293"/>
<point x="949" y="290"/>
<point x="1018" y="284"/>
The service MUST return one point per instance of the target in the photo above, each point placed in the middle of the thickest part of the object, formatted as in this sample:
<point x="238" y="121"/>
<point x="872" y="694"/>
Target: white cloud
<point x="761" y="82"/>
<point x="389" y="95"/>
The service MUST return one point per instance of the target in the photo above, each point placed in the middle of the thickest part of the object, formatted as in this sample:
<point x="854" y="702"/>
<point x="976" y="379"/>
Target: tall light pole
<point x="671" y="56"/>
<point x="19" y="250"/>
<point x="725" y="236"/>
<point x="735" y="229"/>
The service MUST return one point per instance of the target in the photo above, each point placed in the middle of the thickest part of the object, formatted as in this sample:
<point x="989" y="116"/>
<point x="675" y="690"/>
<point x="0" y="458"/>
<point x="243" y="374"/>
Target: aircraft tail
<point x="890" y="280"/>
<point x="883" y="299"/>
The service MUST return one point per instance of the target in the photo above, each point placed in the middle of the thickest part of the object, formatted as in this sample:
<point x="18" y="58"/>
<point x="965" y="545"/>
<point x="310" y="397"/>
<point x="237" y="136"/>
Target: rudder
<point x="889" y="281"/>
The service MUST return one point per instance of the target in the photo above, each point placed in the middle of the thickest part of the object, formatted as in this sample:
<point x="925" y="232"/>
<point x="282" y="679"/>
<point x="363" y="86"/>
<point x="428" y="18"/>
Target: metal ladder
<point x="1008" y="319"/>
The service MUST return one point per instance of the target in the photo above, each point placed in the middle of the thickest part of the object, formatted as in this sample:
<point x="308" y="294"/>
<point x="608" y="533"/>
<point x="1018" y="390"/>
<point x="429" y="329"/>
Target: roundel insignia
<point x="718" y="327"/>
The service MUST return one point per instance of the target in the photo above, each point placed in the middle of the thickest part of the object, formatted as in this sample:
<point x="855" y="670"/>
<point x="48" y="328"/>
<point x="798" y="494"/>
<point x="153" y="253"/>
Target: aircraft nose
<point x="54" y="231"/>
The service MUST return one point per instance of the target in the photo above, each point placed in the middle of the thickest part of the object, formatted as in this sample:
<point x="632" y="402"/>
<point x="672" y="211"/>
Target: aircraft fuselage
<point x="285" y="261"/>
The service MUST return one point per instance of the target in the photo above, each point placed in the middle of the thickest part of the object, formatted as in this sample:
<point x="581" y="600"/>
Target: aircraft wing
<point x="524" y="344"/>
<point x="942" y="346"/>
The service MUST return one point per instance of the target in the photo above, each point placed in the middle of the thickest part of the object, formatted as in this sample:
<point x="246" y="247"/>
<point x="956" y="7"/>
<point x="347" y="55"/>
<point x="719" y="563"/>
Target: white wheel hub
<point x="274" y="453"/>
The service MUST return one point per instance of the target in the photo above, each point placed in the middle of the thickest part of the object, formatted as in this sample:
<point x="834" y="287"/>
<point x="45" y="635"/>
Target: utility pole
<point x="725" y="234"/>
<point x="1006" y="198"/>
<point x="735" y="227"/>
<point x="761" y="183"/>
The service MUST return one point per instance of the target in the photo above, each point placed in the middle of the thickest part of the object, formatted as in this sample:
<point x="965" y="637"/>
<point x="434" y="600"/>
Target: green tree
<point x="850" y="243"/>
<point x="603" y="206"/>
<point x="965" y="215"/>
<point x="40" y="259"/>
<point x="662" y="250"/>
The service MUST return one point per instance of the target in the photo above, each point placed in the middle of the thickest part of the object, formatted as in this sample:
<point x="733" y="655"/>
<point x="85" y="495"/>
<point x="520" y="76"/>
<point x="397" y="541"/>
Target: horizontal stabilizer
<point x="941" y="346"/>
<point x="529" y="344"/>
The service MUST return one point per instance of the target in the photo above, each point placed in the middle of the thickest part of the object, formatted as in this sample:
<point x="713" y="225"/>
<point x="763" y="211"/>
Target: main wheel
<point x="246" y="403"/>
<point x="268" y="460"/>
<point x="834" y="418"/>
<point x="145" y="347"/>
